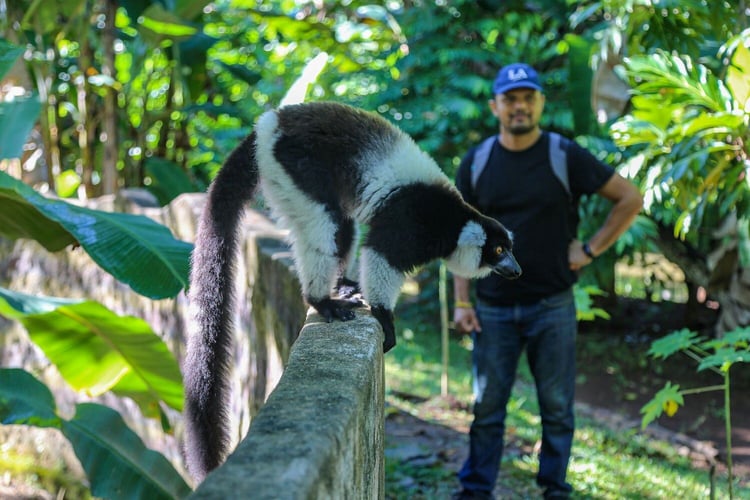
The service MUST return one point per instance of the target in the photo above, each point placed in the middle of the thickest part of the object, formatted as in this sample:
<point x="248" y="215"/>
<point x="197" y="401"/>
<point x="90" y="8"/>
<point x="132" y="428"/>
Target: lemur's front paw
<point x="385" y="318"/>
<point x="348" y="289"/>
<point x="332" y="309"/>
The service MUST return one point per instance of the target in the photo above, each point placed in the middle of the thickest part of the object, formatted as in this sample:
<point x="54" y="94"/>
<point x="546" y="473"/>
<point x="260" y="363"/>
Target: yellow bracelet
<point x="463" y="305"/>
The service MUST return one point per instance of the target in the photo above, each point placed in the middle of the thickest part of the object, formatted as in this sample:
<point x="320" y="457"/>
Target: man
<point x="536" y="312"/>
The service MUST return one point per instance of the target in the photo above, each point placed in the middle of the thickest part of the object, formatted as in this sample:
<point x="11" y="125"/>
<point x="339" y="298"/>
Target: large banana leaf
<point x="116" y="461"/>
<point x="96" y="350"/>
<point x="133" y="248"/>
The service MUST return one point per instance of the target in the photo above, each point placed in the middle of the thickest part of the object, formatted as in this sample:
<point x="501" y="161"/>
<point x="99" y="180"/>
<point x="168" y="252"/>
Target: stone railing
<point x="320" y="433"/>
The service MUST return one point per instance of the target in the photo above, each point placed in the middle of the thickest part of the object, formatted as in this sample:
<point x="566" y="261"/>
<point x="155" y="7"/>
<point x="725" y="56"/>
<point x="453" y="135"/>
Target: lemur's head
<point x="484" y="246"/>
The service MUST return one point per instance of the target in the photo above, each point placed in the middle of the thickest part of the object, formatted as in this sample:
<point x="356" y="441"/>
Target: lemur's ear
<point x="472" y="234"/>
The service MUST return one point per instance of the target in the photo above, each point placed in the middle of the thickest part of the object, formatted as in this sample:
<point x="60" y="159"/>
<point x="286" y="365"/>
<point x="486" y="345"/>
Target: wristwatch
<point x="587" y="250"/>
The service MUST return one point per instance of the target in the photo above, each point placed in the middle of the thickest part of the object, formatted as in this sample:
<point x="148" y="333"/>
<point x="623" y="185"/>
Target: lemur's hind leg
<point x="347" y="286"/>
<point x="317" y="254"/>
<point x="381" y="284"/>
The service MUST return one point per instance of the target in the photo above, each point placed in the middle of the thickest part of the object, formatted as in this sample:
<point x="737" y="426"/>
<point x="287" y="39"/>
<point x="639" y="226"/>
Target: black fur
<point x="210" y="342"/>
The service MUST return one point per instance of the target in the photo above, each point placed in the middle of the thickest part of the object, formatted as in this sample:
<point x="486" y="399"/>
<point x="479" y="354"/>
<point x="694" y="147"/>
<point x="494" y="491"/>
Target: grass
<point x="605" y="464"/>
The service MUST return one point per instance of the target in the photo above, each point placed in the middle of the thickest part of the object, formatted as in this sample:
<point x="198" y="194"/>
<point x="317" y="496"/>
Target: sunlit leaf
<point x="584" y="305"/>
<point x="717" y="123"/>
<point x="738" y="76"/>
<point x="96" y="350"/>
<point x="630" y="132"/>
<point x="678" y="80"/>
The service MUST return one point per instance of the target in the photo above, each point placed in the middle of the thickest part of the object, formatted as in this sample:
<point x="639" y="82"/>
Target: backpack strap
<point x="481" y="157"/>
<point x="558" y="159"/>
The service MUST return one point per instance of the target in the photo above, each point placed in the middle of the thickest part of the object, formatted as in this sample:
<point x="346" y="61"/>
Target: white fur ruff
<point x="464" y="260"/>
<point x="472" y="234"/>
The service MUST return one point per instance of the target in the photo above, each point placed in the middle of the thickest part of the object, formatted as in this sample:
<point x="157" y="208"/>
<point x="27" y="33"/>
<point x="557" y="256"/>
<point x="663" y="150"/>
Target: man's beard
<point x="521" y="128"/>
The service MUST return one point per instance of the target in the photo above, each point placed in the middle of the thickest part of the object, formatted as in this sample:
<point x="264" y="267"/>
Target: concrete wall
<point x="320" y="433"/>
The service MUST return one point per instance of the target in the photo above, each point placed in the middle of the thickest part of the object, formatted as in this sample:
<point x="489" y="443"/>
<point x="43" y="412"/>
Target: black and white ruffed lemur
<point x="324" y="168"/>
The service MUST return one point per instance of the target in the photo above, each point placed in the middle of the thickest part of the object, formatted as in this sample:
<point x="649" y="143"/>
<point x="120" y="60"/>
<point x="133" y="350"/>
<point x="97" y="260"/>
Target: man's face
<point x="518" y="110"/>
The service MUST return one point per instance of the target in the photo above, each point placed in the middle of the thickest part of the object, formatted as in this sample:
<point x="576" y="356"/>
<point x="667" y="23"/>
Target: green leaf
<point x="133" y="248"/>
<point x="738" y="338"/>
<point x="21" y="219"/>
<point x="17" y="118"/>
<point x="584" y="309"/>
<point x="116" y="461"/>
<point x="25" y="401"/>
<point x="738" y="76"/>
<point x="672" y="343"/>
<point x="96" y="350"/>
<point x="724" y="358"/>
<point x="668" y="395"/>
<point x="9" y="53"/>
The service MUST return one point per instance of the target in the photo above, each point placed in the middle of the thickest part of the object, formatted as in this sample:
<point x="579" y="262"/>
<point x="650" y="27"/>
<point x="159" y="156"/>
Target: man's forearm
<point x="461" y="289"/>
<point x="627" y="203"/>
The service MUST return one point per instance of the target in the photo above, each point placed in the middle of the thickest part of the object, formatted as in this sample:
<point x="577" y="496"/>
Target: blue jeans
<point x="547" y="330"/>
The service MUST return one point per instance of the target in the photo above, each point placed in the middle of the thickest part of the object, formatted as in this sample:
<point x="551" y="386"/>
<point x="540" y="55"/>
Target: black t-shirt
<point x="519" y="189"/>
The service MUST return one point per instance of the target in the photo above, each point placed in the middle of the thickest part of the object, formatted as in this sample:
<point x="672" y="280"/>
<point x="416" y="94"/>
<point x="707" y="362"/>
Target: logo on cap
<point x="517" y="74"/>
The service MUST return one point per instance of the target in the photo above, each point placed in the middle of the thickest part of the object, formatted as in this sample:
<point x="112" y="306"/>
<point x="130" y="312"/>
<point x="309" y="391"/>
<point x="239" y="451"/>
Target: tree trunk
<point x="109" y="165"/>
<point x="86" y="126"/>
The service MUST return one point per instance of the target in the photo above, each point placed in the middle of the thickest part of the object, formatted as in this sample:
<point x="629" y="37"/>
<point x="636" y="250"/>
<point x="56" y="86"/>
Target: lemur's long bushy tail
<point x="207" y="361"/>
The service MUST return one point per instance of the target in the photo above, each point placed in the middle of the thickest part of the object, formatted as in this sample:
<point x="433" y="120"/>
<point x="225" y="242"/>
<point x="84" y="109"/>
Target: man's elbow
<point x="634" y="200"/>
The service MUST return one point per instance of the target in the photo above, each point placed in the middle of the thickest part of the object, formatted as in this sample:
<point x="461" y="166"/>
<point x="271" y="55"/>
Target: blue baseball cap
<point x="516" y="76"/>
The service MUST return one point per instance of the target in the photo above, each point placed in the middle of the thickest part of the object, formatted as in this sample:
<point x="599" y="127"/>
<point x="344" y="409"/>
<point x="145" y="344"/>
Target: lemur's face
<point x="484" y="247"/>
<point x="497" y="252"/>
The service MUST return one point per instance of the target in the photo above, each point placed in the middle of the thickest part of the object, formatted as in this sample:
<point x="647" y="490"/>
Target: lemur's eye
<point x="499" y="250"/>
